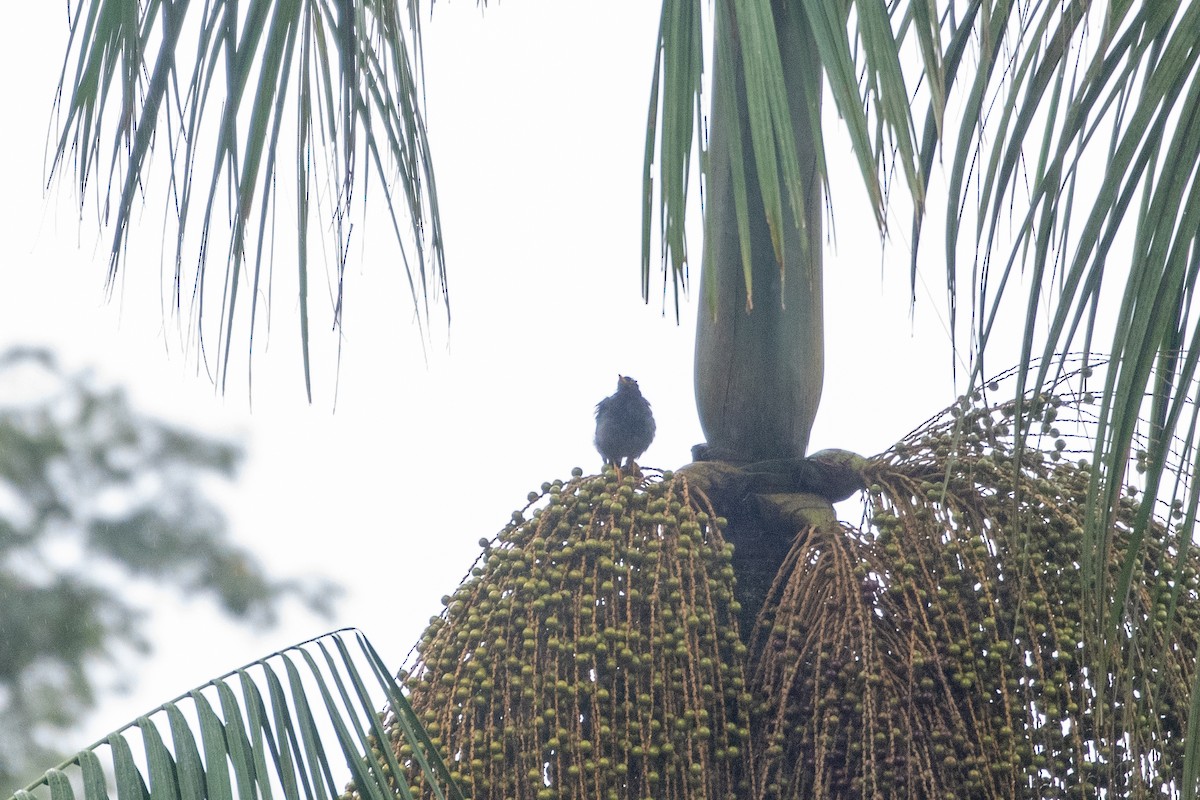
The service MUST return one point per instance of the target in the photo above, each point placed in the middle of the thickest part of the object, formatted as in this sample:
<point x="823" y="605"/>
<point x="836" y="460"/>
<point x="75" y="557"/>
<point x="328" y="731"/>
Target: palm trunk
<point x="760" y="364"/>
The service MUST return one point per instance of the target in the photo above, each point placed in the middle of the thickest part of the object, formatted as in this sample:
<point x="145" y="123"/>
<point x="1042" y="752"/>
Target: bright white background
<point x="536" y="114"/>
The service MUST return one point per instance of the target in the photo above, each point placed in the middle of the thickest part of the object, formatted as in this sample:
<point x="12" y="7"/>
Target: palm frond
<point x="675" y="94"/>
<point x="869" y="94"/>
<point x="344" y="68"/>
<point x="1108" y="100"/>
<point x="255" y="731"/>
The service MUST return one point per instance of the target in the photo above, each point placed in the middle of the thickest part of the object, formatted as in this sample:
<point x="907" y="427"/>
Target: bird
<point x="624" y="424"/>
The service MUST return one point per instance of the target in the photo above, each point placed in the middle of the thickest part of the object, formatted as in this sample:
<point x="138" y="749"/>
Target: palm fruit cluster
<point x="592" y="652"/>
<point x="940" y="651"/>
<point x="942" y="648"/>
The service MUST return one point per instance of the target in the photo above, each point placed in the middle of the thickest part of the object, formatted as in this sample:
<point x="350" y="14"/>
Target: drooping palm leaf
<point x="676" y="85"/>
<point x="871" y="91"/>
<point x="267" y="738"/>
<point x="213" y="88"/>
<point x="1108" y="216"/>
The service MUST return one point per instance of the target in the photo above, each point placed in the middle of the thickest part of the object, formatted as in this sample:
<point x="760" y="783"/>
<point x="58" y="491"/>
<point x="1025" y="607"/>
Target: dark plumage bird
<point x="624" y="424"/>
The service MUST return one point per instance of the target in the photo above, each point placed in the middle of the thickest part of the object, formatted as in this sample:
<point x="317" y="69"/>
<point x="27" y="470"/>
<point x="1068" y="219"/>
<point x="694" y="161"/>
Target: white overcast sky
<point x="537" y="117"/>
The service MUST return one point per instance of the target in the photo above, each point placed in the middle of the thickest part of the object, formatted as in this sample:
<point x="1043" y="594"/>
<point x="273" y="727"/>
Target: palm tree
<point x="1048" y="122"/>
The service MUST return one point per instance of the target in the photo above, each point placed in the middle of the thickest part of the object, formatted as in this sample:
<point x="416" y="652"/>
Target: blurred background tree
<point x="95" y="497"/>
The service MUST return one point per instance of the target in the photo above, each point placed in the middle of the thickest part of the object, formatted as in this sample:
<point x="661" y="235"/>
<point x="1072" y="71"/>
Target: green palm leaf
<point x="268" y="744"/>
<point x="222" y="110"/>
<point x="875" y="82"/>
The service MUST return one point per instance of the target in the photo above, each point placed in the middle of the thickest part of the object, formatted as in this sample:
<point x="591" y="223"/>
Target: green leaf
<point x="261" y="747"/>
<point x="733" y="156"/>
<point x="136" y="85"/>
<point x="212" y="736"/>
<point x="95" y="783"/>
<point x="131" y="784"/>
<point x="60" y="785"/>
<point x="187" y="756"/>
<point x="409" y="723"/>
<point x="675" y="97"/>
<point x="164" y="782"/>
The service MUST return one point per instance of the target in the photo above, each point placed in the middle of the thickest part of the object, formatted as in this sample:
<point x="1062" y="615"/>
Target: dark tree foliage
<point x="94" y="497"/>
